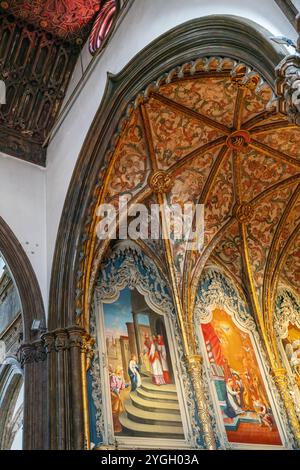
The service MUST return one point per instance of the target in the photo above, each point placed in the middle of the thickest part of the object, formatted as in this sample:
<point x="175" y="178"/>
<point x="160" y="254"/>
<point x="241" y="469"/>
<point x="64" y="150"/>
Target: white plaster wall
<point x="23" y="207"/>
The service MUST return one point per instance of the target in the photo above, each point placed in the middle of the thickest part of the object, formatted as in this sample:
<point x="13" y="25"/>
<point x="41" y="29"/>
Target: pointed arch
<point x="25" y="281"/>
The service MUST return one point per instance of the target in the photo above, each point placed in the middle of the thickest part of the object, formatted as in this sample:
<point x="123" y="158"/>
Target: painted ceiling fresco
<point x="291" y="270"/>
<point x="63" y="18"/>
<point x="213" y="138"/>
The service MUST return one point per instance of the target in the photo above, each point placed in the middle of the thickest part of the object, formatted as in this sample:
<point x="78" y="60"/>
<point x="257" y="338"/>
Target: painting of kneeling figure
<point x="144" y="400"/>
<point x="241" y="392"/>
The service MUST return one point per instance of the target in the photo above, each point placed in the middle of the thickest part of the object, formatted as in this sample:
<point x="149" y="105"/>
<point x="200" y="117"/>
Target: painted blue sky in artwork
<point x="116" y="315"/>
<point x="143" y="319"/>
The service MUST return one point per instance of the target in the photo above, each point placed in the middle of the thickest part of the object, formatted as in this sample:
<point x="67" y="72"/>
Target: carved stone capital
<point x="288" y="87"/>
<point x="31" y="352"/>
<point x="67" y="338"/>
<point x="49" y="342"/>
<point x="280" y="377"/>
<point x="194" y="363"/>
<point x="61" y="340"/>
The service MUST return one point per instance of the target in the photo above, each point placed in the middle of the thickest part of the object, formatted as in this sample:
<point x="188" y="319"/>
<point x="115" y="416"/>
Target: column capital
<point x="29" y="353"/>
<point x="66" y="338"/>
<point x="280" y="376"/>
<point x="194" y="362"/>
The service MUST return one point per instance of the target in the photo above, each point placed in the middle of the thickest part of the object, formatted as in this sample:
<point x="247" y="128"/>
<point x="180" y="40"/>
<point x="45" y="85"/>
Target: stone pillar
<point x="67" y="398"/>
<point x="195" y="369"/>
<point x="132" y="338"/>
<point x="32" y="358"/>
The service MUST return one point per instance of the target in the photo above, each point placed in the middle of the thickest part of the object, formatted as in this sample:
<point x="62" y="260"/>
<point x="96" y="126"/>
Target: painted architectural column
<point x="281" y="380"/>
<point x="195" y="369"/>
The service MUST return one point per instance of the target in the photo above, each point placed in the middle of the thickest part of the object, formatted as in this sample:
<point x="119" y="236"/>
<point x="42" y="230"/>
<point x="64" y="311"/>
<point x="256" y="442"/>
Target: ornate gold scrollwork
<point x="244" y="213"/>
<point x="160" y="182"/>
<point x="281" y="380"/>
<point x="248" y="83"/>
<point x="238" y="140"/>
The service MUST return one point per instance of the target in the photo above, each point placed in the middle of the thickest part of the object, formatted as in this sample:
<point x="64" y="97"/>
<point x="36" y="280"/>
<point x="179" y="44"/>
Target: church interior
<point x="149" y="339"/>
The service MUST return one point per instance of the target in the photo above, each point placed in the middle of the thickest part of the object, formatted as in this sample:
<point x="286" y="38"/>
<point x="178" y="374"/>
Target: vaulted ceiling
<point x="208" y="134"/>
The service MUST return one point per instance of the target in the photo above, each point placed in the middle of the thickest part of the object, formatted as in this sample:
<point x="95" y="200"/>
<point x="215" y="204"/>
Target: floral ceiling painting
<point x="214" y="134"/>
<point x="210" y="133"/>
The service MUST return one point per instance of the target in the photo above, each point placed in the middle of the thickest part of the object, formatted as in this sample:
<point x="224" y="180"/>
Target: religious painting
<point x="241" y="393"/>
<point x="143" y="395"/>
<point x="291" y="346"/>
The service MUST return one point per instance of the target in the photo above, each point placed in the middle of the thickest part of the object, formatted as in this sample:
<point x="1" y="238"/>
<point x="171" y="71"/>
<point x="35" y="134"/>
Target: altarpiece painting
<point x="136" y="389"/>
<point x="287" y="326"/>
<point x="232" y="354"/>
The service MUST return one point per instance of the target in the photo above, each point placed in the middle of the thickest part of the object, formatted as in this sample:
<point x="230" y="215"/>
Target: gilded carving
<point x="244" y="213"/>
<point x="195" y="369"/>
<point x="160" y="182"/>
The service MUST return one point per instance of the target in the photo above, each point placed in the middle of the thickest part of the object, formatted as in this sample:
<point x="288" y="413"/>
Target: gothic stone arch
<point x="215" y="35"/>
<point x="29" y="355"/>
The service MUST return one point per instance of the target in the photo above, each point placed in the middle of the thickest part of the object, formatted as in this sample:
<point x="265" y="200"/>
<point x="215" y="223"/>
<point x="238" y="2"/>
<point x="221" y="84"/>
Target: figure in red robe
<point x="154" y="360"/>
<point x="161" y="347"/>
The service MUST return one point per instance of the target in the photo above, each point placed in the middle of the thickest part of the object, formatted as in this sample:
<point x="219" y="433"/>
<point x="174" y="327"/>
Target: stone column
<point x="195" y="369"/>
<point x="67" y="350"/>
<point x="32" y="358"/>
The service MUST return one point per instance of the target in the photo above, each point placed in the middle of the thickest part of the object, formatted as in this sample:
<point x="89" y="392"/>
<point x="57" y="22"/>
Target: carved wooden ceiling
<point x="208" y="134"/>
<point x="40" y="41"/>
<point x="67" y="19"/>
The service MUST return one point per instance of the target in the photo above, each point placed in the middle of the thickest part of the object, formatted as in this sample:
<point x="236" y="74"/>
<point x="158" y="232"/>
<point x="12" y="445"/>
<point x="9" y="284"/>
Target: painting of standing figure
<point x="245" y="407"/>
<point x="143" y="395"/>
<point x="134" y="373"/>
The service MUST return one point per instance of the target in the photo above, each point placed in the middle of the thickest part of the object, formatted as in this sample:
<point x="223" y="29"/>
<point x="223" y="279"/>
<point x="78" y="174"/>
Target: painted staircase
<point x="153" y="411"/>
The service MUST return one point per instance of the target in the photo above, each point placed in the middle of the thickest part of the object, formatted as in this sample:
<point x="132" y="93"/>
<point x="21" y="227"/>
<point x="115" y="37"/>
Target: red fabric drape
<point x="211" y="337"/>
